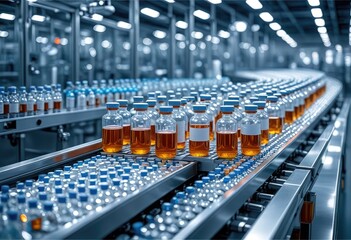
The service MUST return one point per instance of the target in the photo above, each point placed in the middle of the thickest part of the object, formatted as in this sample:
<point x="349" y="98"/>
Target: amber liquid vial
<point x="275" y="125"/>
<point x="57" y="105"/>
<point x="211" y="131"/>
<point x="140" y="141"/>
<point x="227" y="144"/>
<point x="166" y="145"/>
<point x="199" y="148"/>
<point x="112" y="139"/>
<point x="126" y="134"/>
<point x="250" y="144"/>
<point x="23" y="108"/>
<point x="153" y="135"/>
<point x="264" y="137"/>
<point x="289" y="117"/>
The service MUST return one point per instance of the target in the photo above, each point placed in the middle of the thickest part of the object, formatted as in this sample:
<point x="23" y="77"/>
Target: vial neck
<point x="112" y="111"/>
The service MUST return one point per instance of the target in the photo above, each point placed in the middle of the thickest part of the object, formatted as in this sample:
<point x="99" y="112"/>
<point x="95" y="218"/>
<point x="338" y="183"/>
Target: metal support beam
<point x="210" y="50"/>
<point x="291" y="17"/>
<point x="172" y="43"/>
<point x="134" y="38"/>
<point x="24" y="46"/>
<point x="190" y="40"/>
<point x="334" y="19"/>
<point x="76" y="45"/>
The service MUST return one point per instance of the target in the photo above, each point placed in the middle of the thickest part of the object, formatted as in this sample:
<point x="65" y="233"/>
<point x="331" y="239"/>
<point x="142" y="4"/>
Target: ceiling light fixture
<point x="254" y="4"/>
<point x="255" y="28"/>
<point x="275" y="26"/>
<point x="316" y="12"/>
<point x="201" y="14"/>
<point x="322" y="29"/>
<point x="99" y="28"/>
<point x="281" y="33"/>
<point x="150" y="12"/>
<point x="38" y="18"/>
<point x="313" y="3"/>
<point x="240" y="26"/>
<point x="319" y="22"/>
<point x="215" y="1"/>
<point x="159" y="34"/>
<point x="223" y="34"/>
<point x="7" y="16"/>
<point x="125" y="25"/>
<point x="182" y="24"/>
<point x="266" y="16"/>
<point x="97" y="17"/>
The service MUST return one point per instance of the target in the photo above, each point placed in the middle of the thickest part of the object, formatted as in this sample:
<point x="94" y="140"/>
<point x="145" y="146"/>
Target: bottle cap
<point x="21" y="199"/>
<point x="22" y="88"/>
<point x="143" y="173"/>
<point x="278" y="95"/>
<point x="81" y="188"/>
<point x="122" y="102"/>
<point x="20" y="186"/>
<point x="11" y="89"/>
<point x="227" y="108"/>
<point x="205" y="97"/>
<point x="199" y="184"/>
<point x="199" y="108"/>
<point x="58" y="190"/>
<point x="48" y="206"/>
<point x="272" y="98"/>
<point x="151" y="103"/>
<point x="138" y="99"/>
<point x="253" y="99"/>
<point x="260" y="104"/>
<point x="5" y="188"/>
<point x="166" y="109"/>
<point x="189" y="190"/>
<point x="12" y="215"/>
<point x="137" y="226"/>
<point x="167" y="206"/>
<point x="103" y="178"/>
<point x="174" y="102"/>
<point x="161" y="98"/>
<point x="93" y="190"/>
<point x="183" y="101"/>
<point x="83" y="197"/>
<point x="40" y="88"/>
<point x="112" y="105"/>
<point x="205" y="179"/>
<point x="231" y="102"/>
<point x="250" y="108"/>
<point x="262" y="96"/>
<point x="194" y="94"/>
<point x="151" y="95"/>
<point x="142" y="106"/>
<point x="32" y="203"/>
<point x="226" y="179"/>
<point x="190" y="98"/>
<point x="242" y="93"/>
<point x="234" y="97"/>
<point x="214" y="94"/>
<point x="180" y="195"/>
<point x="104" y="186"/>
<point x="72" y="194"/>
<point x="61" y="198"/>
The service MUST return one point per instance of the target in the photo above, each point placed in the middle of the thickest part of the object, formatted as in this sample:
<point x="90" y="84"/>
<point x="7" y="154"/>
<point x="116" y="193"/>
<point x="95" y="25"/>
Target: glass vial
<point x="199" y="142"/>
<point x="112" y="132"/>
<point x="250" y="132"/>
<point x="140" y="130"/>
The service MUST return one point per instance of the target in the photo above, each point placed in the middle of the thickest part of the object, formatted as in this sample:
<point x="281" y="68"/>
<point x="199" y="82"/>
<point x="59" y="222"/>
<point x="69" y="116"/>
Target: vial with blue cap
<point x="166" y="134"/>
<point x="49" y="218"/>
<point x="153" y="114"/>
<point x="112" y="132"/>
<point x="281" y="105"/>
<point x="136" y="99"/>
<point x="275" y="120"/>
<point x="227" y="134"/>
<point x="181" y="118"/>
<point x="140" y="130"/>
<point x="199" y="140"/>
<point x="262" y="115"/>
<point x="22" y="100"/>
<point x="13" y="100"/>
<point x="250" y="132"/>
<point x="289" y="107"/>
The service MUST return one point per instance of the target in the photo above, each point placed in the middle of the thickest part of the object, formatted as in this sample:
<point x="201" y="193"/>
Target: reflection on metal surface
<point x="332" y="148"/>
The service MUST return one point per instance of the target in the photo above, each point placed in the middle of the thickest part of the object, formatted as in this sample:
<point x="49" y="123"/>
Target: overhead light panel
<point x="254" y="4"/>
<point x="266" y="16"/>
<point x="179" y="37"/>
<point x="316" y="12"/>
<point x="150" y="12"/>
<point x="281" y="33"/>
<point x="320" y="22"/>
<point x="215" y="1"/>
<point x="313" y="3"/>
<point x="38" y="18"/>
<point x="97" y="17"/>
<point x="99" y="28"/>
<point x="322" y="29"/>
<point x="240" y="26"/>
<point x="275" y="26"/>
<point x="170" y="1"/>
<point x="201" y="14"/>
<point x="4" y="34"/>
<point x="197" y="35"/>
<point x="159" y="34"/>
<point x="255" y="28"/>
<point x="182" y="24"/>
<point x="7" y="16"/>
<point x="125" y="25"/>
<point x="223" y="34"/>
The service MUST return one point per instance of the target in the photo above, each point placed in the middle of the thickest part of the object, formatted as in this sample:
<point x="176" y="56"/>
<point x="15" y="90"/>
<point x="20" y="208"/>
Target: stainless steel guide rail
<point x="40" y="121"/>
<point x="119" y="212"/>
<point x="211" y="220"/>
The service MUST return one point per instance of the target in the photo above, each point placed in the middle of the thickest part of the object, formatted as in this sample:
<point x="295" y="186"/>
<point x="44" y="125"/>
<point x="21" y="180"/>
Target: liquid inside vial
<point x="153" y="135"/>
<point x="211" y="131"/>
<point x="275" y="125"/>
<point x="57" y="105"/>
<point x="289" y="117"/>
<point x="166" y="145"/>
<point x="140" y="141"/>
<point x="112" y="139"/>
<point x="199" y="144"/>
<point x="23" y="108"/>
<point x="264" y="137"/>
<point x="250" y="144"/>
<point x="126" y="134"/>
<point x="297" y="112"/>
<point x="227" y="144"/>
